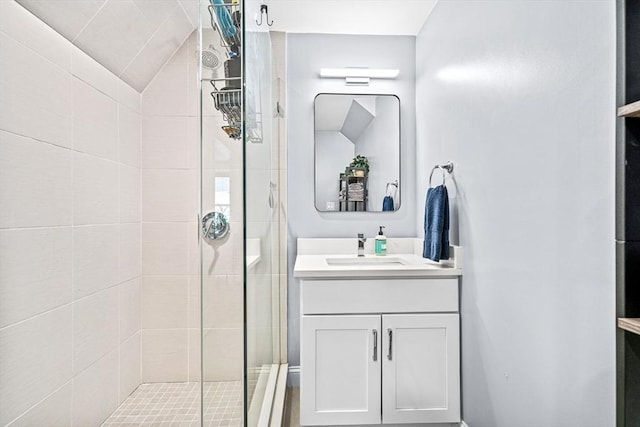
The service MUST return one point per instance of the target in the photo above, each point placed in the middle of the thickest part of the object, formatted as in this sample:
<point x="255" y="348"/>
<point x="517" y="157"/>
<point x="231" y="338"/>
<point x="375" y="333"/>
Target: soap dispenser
<point x="381" y="243"/>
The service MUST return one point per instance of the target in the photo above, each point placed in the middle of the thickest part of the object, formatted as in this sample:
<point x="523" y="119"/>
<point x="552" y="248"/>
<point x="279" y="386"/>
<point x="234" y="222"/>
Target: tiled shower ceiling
<point x="131" y="38"/>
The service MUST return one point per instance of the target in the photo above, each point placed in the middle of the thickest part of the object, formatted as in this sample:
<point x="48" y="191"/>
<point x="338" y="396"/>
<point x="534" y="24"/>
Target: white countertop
<point x="331" y="258"/>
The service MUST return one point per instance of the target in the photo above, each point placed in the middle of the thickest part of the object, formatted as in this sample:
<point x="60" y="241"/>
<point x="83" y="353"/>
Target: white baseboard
<point x="293" y="379"/>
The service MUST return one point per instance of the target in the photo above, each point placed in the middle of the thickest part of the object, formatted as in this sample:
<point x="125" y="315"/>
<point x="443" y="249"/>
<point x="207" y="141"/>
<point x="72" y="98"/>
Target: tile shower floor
<point x="178" y="404"/>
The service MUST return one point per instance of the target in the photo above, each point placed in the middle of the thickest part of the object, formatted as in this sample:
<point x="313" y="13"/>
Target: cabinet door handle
<point x="375" y="345"/>
<point x="390" y="353"/>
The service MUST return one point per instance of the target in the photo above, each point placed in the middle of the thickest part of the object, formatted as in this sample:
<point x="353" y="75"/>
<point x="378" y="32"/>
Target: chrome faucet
<point x="361" y="240"/>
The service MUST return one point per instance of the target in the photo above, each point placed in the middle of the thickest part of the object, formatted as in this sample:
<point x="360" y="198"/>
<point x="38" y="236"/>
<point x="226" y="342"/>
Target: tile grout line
<point x="73" y="233"/>
<point x="38" y="403"/>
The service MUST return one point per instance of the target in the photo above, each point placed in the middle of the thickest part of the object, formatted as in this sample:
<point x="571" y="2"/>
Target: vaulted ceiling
<point x="131" y="38"/>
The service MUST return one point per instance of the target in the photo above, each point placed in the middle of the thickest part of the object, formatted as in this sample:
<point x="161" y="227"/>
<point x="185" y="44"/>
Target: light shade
<point x="373" y="73"/>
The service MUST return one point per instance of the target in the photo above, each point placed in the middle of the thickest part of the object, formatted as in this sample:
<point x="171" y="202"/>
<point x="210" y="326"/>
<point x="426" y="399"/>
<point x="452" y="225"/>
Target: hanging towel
<point x="436" y="224"/>
<point x="387" y="203"/>
<point x="224" y="18"/>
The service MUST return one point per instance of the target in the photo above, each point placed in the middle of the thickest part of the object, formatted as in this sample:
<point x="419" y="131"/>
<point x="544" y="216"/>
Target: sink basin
<point x="369" y="261"/>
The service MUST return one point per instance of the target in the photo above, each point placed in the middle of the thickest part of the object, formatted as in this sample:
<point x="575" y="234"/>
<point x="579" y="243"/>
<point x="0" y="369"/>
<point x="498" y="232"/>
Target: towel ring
<point x="446" y="167"/>
<point x="392" y="184"/>
<point x="431" y="175"/>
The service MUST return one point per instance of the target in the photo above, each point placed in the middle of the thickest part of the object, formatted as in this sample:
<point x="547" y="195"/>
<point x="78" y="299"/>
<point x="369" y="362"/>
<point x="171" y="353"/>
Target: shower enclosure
<point x="239" y="200"/>
<point x="139" y="214"/>
<point x="234" y="303"/>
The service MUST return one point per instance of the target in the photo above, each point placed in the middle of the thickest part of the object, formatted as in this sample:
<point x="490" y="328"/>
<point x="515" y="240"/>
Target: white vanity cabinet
<point x="421" y="368"/>
<point x="341" y="363"/>
<point x="380" y="351"/>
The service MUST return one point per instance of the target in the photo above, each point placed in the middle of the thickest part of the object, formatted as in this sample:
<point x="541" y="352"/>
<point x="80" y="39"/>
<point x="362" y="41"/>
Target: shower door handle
<point x="272" y="187"/>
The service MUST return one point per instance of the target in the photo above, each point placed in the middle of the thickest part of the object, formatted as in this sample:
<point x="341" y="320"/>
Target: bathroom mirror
<point x="357" y="152"/>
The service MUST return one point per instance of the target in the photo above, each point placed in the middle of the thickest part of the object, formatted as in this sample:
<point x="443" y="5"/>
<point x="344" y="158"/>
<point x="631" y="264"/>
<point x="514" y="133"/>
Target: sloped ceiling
<point x="134" y="38"/>
<point x="334" y="110"/>
<point x="131" y="38"/>
<point x="344" y="113"/>
<point x="358" y="119"/>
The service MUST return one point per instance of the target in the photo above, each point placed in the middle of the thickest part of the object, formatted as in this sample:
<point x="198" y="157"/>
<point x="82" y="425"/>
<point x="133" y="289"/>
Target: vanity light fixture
<point x="359" y="76"/>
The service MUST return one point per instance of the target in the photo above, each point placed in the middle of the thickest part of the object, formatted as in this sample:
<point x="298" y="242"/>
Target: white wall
<point x="520" y="96"/>
<point x="306" y="54"/>
<point x="333" y="152"/>
<point x="384" y="160"/>
<point x="69" y="230"/>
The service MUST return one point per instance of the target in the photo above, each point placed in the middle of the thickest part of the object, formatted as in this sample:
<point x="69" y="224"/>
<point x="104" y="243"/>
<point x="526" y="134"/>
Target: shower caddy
<point x="226" y="20"/>
<point x="228" y="99"/>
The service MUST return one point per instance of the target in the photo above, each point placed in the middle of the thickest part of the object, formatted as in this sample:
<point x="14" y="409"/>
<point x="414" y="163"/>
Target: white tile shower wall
<point x="129" y="366"/>
<point x="45" y="173"/>
<point x="131" y="38"/>
<point x="95" y="391"/>
<point x="170" y="337"/>
<point x="24" y="77"/>
<point x="69" y="230"/>
<point x="30" y="291"/>
<point x="55" y="410"/>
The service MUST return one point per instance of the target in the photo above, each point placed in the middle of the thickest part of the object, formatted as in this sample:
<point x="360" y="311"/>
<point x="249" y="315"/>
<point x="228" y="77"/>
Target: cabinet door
<point x="421" y="368"/>
<point x="340" y="370"/>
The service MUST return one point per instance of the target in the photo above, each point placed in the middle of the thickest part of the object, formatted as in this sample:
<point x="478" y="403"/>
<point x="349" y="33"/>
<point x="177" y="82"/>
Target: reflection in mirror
<point x="357" y="152"/>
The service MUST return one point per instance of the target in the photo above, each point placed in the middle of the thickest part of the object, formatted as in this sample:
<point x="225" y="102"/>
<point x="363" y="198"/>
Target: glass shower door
<point x="239" y="227"/>
<point x="262" y="346"/>
<point x="221" y="244"/>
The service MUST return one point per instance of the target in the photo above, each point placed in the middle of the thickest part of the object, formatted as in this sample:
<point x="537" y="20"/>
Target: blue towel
<point x="387" y="203"/>
<point x="436" y="224"/>
<point x="224" y="18"/>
